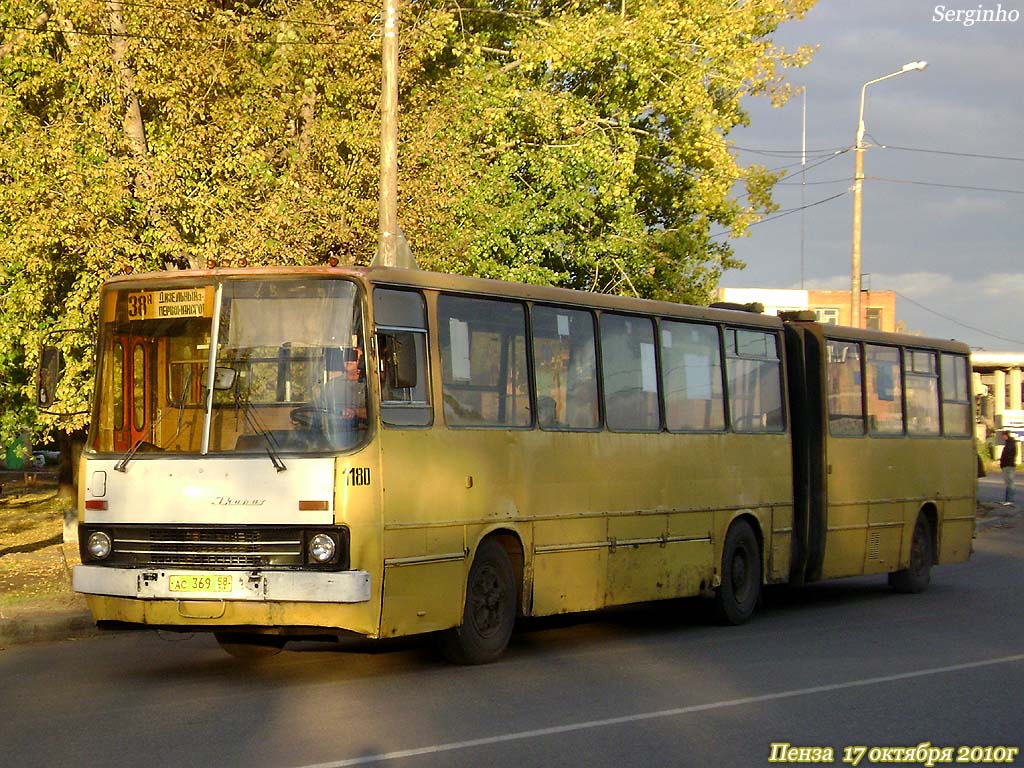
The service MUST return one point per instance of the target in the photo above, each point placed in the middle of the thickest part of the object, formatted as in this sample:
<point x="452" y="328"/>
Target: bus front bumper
<point x="262" y="586"/>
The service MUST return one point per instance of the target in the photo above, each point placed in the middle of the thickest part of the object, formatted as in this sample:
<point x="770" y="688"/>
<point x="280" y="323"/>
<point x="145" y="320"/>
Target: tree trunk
<point x="134" y="130"/>
<point x="70" y="446"/>
<point x="135" y="134"/>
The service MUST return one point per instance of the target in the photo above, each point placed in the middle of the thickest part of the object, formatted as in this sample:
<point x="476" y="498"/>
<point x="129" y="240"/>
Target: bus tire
<point x="250" y="647"/>
<point x="918" y="573"/>
<point x="736" y="597"/>
<point x="489" y="612"/>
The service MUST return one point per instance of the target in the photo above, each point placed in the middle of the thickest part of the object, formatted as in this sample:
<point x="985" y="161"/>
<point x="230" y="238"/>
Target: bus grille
<point x="212" y="546"/>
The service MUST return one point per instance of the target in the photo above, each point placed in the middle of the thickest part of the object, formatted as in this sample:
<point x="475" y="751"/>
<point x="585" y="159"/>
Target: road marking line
<point x="570" y="727"/>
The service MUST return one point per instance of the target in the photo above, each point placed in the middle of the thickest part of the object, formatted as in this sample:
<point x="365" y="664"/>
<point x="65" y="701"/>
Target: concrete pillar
<point x="999" y="393"/>
<point x="1015" y="389"/>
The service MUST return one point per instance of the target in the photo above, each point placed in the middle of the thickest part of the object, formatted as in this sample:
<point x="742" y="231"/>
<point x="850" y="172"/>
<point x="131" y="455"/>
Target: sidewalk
<point x="45" y="614"/>
<point x="36" y="601"/>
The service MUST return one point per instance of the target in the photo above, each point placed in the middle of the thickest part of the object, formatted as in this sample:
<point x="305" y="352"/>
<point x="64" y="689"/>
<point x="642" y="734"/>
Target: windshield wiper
<point x="252" y="419"/>
<point x="179" y="405"/>
<point x="122" y="465"/>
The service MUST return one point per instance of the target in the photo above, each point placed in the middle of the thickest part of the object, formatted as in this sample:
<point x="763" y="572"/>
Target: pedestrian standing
<point x="1008" y="464"/>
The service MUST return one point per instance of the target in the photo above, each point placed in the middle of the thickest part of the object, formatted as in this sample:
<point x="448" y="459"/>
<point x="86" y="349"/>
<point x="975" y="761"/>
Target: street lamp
<point x="858" y="186"/>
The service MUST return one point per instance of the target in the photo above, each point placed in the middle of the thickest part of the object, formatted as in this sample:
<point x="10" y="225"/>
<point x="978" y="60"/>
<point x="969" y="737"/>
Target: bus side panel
<point x="957" y="514"/>
<point x="873" y="510"/>
<point x="422" y="598"/>
<point x="570" y="565"/>
<point x="604" y="518"/>
<point x="780" y="546"/>
<point x="704" y="481"/>
<point x="885" y="535"/>
<point x="955" y="537"/>
<point x="427" y="502"/>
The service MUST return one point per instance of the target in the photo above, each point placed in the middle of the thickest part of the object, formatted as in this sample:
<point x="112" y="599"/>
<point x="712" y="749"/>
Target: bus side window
<point x="922" y="378"/>
<point x="484" y="369"/>
<point x="691" y="377"/>
<point x="629" y="373"/>
<point x="956" y="402"/>
<point x="402" y="349"/>
<point x="884" y="392"/>
<point x="754" y="375"/>
<point x="845" y="393"/>
<point x="565" y="367"/>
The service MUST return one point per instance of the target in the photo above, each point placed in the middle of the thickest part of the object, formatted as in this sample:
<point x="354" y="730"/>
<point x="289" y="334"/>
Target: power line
<point x="815" y="164"/>
<point x="954" y="154"/>
<point x="783" y="213"/>
<point x="947" y="186"/>
<point x="845" y="180"/>
<point x="958" y="322"/>
<point x="787" y="152"/>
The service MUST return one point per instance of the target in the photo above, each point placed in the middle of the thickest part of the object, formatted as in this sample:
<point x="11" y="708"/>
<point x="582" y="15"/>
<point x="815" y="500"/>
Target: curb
<point x="46" y="627"/>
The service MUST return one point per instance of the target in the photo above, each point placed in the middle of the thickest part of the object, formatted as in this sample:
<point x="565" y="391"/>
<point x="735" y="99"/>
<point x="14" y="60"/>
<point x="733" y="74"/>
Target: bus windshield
<point x="233" y="365"/>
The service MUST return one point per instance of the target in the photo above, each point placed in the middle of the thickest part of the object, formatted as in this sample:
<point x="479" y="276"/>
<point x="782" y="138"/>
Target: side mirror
<point x="223" y="378"/>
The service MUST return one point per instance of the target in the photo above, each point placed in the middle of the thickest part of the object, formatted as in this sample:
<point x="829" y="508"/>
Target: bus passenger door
<point x="133" y="408"/>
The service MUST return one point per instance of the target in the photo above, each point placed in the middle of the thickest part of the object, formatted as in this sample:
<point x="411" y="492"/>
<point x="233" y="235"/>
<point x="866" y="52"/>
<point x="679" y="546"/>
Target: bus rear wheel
<point x="737" y="596"/>
<point x="918" y="573"/>
<point x="250" y="647"/>
<point x="489" y="612"/>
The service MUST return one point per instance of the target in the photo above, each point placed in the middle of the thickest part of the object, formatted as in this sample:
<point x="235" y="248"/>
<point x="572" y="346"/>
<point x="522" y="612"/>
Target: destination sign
<point x="168" y="304"/>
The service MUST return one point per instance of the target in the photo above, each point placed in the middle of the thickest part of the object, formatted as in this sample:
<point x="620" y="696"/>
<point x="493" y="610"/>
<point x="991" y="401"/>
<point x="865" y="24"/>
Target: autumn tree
<point x="589" y="141"/>
<point x="582" y="144"/>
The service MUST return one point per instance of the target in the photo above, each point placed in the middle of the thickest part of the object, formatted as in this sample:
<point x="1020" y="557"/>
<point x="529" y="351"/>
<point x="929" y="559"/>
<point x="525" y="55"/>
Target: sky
<point x="953" y="255"/>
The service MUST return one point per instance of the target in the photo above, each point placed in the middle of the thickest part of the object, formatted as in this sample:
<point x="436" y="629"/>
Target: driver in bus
<point x="342" y="398"/>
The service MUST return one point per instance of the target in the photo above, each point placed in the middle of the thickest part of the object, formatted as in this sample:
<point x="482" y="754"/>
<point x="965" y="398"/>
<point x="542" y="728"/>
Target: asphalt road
<point x="841" y="664"/>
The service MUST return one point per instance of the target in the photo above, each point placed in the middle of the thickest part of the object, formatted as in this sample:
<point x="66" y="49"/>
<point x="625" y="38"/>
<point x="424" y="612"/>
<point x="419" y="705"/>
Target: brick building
<point x="878" y="308"/>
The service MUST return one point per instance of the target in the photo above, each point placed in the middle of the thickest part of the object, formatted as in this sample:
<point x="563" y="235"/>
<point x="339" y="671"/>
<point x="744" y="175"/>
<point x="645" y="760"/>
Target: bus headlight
<point x="99" y="545"/>
<point x="322" y="548"/>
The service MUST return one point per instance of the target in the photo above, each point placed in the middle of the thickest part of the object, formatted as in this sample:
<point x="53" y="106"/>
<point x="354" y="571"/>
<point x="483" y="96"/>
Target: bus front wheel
<point x="918" y="573"/>
<point x="489" y="612"/>
<point x="737" y="596"/>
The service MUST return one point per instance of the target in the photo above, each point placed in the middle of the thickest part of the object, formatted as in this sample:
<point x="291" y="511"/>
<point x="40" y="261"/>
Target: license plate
<point x="199" y="582"/>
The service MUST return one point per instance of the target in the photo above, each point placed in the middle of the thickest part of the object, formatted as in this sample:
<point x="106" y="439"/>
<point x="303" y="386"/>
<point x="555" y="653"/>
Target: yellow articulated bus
<point x="280" y="453"/>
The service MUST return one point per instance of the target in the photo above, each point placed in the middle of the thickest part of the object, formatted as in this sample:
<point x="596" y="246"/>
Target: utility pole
<point x="387" y="244"/>
<point x="803" y="182"/>
<point x="858" y="190"/>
